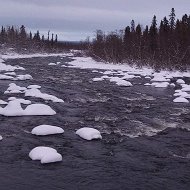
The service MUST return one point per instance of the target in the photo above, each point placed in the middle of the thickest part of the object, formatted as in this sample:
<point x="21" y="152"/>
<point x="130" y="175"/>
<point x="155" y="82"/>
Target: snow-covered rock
<point x="34" y="86"/>
<point x="159" y="78"/>
<point x="89" y="133"/>
<point x="52" y="64"/>
<point x="180" y="81"/>
<point x="39" y="109"/>
<point x="160" y="84"/>
<point x="24" y="77"/>
<point x="34" y="92"/>
<point x="5" y="77"/>
<point x="42" y="130"/>
<point x="2" y="102"/>
<point x="181" y="100"/>
<point x="45" y="155"/>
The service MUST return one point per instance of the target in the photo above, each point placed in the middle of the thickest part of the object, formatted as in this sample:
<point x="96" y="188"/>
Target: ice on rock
<point x="89" y="133"/>
<point x="39" y="109"/>
<point x="180" y="81"/>
<point x="34" y="92"/>
<point x="181" y="100"/>
<point x="45" y="155"/>
<point x="42" y="130"/>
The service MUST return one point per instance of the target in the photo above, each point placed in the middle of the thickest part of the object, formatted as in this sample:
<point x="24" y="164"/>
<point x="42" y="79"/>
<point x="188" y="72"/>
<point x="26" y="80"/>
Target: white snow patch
<point x="39" y="109"/>
<point x="45" y="155"/>
<point x="181" y="100"/>
<point x="42" y="130"/>
<point x="89" y="133"/>
<point x="34" y="92"/>
<point x="180" y="81"/>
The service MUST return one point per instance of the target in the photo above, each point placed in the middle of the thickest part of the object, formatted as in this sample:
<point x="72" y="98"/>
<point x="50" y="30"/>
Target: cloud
<point x="86" y="15"/>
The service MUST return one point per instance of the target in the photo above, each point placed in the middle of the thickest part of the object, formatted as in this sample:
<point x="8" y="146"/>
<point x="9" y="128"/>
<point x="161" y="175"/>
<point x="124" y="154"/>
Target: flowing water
<point x="146" y="138"/>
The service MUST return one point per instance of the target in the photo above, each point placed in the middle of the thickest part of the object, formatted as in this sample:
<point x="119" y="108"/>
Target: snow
<point x="159" y="78"/>
<point x="2" y="102"/>
<point x="120" y="81"/>
<point x="5" y="77"/>
<point x="89" y="133"/>
<point x="34" y="92"/>
<point x="24" y="77"/>
<point x="45" y="155"/>
<point x="1" y="138"/>
<point x="39" y="109"/>
<point x="10" y="73"/>
<point x="160" y="84"/>
<point x="181" y="100"/>
<point x="13" y="88"/>
<point x="14" y="108"/>
<point x="42" y="130"/>
<point x="180" y="81"/>
<point x="52" y="64"/>
<point x="34" y="86"/>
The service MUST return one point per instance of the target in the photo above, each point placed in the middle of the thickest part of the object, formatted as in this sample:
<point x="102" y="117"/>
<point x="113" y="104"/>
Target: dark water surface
<point x="117" y="162"/>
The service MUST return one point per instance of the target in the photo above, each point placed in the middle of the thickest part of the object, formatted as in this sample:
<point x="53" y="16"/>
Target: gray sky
<point x="77" y="19"/>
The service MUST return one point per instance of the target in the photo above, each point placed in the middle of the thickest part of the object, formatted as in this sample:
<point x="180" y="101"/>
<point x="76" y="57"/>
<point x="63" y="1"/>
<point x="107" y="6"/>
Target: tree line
<point x="166" y="45"/>
<point x="19" y="39"/>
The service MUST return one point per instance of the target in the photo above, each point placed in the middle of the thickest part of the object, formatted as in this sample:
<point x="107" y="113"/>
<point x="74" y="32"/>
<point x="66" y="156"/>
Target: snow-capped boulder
<point x="45" y="155"/>
<point x="181" y="100"/>
<point x="42" y="130"/>
<point x="89" y="133"/>
<point x="180" y="81"/>
<point x="39" y="109"/>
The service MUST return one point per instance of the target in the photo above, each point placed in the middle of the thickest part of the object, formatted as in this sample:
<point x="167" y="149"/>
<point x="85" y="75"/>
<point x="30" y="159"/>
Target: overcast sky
<point x="76" y="19"/>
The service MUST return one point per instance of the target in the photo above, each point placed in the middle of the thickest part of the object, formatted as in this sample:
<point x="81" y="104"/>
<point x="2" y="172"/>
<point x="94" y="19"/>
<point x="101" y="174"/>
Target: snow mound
<point x="5" y="77"/>
<point x="13" y="88"/>
<point x="89" y="133"/>
<point x="52" y="64"/>
<point x="45" y="155"/>
<point x="3" y="102"/>
<point x="24" y="77"/>
<point x="180" y="81"/>
<point x="14" y="108"/>
<point x="181" y="100"/>
<point x="160" y="84"/>
<point x="4" y="67"/>
<point x="34" y="92"/>
<point x="10" y="73"/>
<point x="39" y="109"/>
<point x="120" y="82"/>
<point x="47" y="130"/>
<point x="34" y="86"/>
<point x="159" y="78"/>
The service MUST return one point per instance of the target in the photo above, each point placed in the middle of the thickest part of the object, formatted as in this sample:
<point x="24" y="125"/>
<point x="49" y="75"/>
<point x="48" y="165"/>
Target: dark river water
<point x="151" y="161"/>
